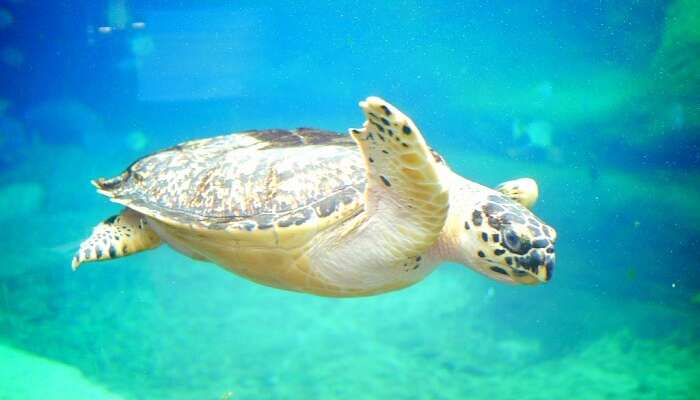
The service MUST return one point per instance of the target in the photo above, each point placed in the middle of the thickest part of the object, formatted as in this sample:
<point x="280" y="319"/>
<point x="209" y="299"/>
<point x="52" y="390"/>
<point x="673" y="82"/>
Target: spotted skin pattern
<point x="117" y="236"/>
<point x="514" y="236"/>
<point x="403" y="171"/>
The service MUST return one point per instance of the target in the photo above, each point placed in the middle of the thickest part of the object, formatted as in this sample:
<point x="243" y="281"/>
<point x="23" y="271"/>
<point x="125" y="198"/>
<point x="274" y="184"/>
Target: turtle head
<point x="505" y="241"/>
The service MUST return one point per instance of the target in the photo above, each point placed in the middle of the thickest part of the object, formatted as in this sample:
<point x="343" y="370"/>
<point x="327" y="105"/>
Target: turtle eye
<point x="510" y="238"/>
<point x="513" y="242"/>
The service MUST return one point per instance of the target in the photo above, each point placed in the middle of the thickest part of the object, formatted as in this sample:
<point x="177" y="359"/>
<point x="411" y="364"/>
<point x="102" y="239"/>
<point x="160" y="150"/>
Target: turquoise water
<point x="599" y="103"/>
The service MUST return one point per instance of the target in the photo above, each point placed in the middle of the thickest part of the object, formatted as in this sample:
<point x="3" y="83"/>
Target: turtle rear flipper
<point x="117" y="236"/>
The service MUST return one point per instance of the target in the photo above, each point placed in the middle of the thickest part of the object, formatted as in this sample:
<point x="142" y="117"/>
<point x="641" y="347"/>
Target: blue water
<point x="599" y="102"/>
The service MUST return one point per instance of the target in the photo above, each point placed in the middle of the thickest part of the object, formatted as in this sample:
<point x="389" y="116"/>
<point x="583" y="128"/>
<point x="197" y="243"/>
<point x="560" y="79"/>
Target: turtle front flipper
<point x="523" y="191"/>
<point x="117" y="236"/>
<point x="404" y="187"/>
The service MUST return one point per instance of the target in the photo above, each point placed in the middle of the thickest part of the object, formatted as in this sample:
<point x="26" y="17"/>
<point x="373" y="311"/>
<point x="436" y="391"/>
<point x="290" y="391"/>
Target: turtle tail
<point x="117" y="236"/>
<point x="110" y="187"/>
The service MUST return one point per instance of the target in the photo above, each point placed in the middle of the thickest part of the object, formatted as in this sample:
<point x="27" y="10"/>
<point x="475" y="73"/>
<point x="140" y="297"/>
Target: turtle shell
<point x="247" y="182"/>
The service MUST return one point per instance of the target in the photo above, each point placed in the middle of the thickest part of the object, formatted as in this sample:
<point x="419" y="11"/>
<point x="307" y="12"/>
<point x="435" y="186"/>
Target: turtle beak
<point x="547" y="269"/>
<point x="537" y="267"/>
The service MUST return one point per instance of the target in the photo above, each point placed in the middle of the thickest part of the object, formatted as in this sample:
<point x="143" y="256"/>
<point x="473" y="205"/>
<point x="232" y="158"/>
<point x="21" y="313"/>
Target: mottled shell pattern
<point x="246" y="182"/>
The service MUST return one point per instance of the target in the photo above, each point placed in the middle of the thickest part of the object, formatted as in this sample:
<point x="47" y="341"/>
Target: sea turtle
<point x="324" y="213"/>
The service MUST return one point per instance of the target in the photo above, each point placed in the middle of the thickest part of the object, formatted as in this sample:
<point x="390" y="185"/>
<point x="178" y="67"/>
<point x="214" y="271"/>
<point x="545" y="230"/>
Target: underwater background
<point x="598" y="101"/>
